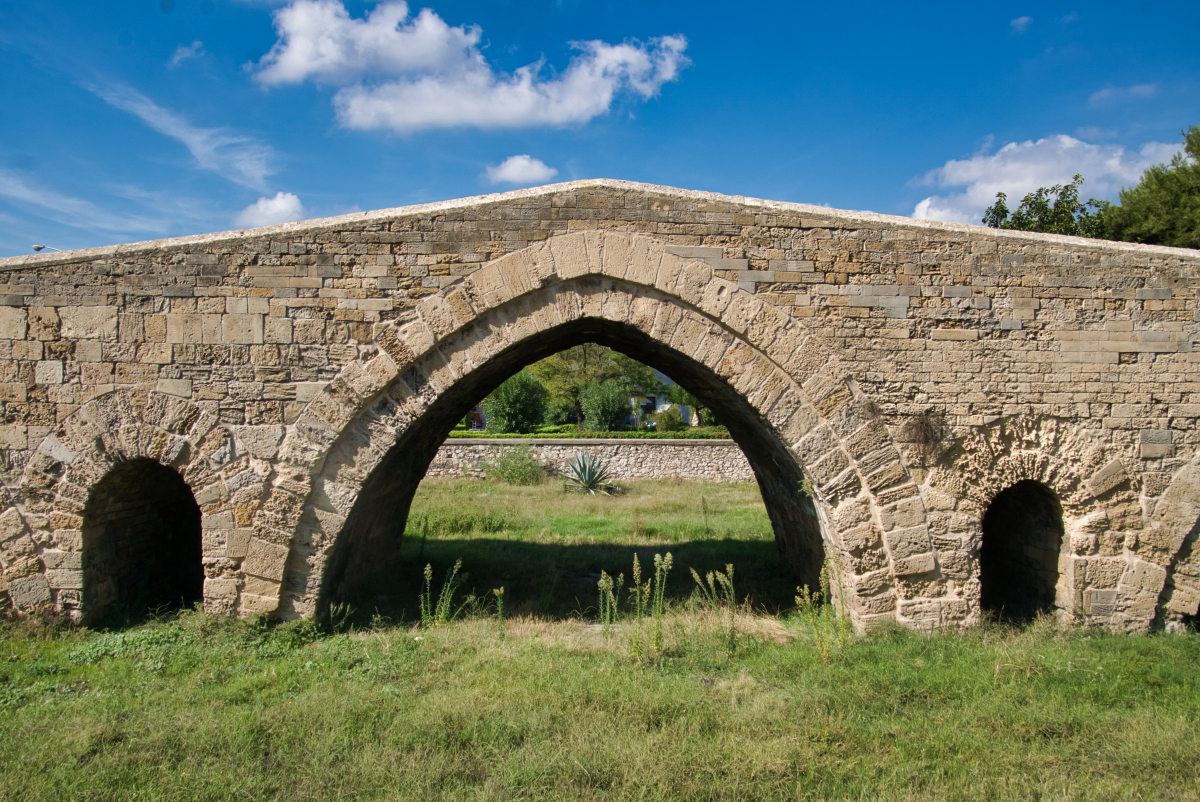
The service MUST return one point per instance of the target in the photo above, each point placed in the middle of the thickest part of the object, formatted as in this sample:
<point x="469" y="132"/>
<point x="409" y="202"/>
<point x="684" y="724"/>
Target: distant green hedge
<point x="570" y="432"/>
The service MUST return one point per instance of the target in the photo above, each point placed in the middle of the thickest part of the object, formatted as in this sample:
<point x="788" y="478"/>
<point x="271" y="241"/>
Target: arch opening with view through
<point x="374" y="529"/>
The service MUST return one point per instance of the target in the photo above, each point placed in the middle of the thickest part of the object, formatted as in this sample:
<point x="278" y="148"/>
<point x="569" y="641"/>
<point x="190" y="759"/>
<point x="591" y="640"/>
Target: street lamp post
<point x="40" y="248"/>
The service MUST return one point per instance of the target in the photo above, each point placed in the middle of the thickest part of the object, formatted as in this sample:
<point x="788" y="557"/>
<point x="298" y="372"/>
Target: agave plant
<point x="588" y="474"/>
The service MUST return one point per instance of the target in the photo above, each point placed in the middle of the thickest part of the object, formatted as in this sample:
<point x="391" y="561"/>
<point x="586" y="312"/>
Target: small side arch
<point x="1078" y="545"/>
<point x="105" y="437"/>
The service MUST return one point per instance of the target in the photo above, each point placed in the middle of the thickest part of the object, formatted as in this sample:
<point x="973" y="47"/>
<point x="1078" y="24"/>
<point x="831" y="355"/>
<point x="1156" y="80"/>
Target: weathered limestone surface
<point x="692" y="460"/>
<point x="300" y="379"/>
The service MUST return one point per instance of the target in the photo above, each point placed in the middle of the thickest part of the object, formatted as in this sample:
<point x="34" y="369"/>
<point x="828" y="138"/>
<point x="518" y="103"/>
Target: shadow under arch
<point x="142" y="545"/>
<point x="1021" y="551"/>
<point x="373" y="529"/>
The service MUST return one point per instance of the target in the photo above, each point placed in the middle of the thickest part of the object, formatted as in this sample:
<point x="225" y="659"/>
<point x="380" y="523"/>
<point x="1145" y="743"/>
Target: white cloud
<point x="1020" y="24"/>
<point x="408" y="74"/>
<point x="240" y="159"/>
<point x="1021" y="167"/>
<point x="1116" y="94"/>
<point x="185" y="52"/>
<point x="522" y="170"/>
<point x="71" y="211"/>
<point x="283" y="208"/>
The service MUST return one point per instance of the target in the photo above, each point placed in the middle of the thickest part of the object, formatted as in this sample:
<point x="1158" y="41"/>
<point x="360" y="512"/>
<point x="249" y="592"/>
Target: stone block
<point x="48" y="372"/>
<point x="12" y="323"/>
<point x="262" y="442"/>
<point x="27" y="592"/>
<point x="64" y="579"/>
<point x="916" y="564"/>
<point x="903" y="514"/>
<point x="89" y="322"/>
<point x="266" y="560"/>
<point x="217" y="588"/>
<point x="258" y="605"/>
<point x="277" y="330"/>
<point x="1107" y="478"/>
<point x="242" y="329"/>
<point x="954" y="335"/>
<point x="1156" y="450"/>
<point x="181" y="388"/>
<point x="63" y="560"/>
<point x="237" y="543"/>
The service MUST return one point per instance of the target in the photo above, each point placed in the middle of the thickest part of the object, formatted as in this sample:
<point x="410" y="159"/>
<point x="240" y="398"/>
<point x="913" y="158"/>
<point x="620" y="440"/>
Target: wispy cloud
<point x="283" y="208"/>
<point x="409" y="74"/>
<point x="1021" y="167"/>
<point x="240" y="159"/>
<point x="1118" y="94"/>
<point x="185" y="52"/>
<point x="522" y="170"/>
<point x="1020" y="24"/>
<point x="74" y="212"/>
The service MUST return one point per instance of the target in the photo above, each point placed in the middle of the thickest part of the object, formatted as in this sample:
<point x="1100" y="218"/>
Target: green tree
<point x="1164" y="208"/>
<point x="669" y="420"/>
<point x="517" y="405"/>
<point x="678" y="395"/>
<point x="566" y="373"/>
<point x="606" y="406"/>
<point x="1051" y="210"/>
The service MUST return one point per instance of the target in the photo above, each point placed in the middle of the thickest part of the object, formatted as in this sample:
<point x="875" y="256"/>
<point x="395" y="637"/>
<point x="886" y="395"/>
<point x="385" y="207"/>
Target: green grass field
<point x="722" y="705"/>
<point x="547" y="547"/>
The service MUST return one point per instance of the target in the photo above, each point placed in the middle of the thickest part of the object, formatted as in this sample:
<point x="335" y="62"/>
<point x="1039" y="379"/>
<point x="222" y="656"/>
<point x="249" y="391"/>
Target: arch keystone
<point x="570" y="256"/>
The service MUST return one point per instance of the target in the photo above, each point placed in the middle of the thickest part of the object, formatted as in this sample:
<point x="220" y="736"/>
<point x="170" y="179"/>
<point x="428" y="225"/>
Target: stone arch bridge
<point x="281" y="392"/>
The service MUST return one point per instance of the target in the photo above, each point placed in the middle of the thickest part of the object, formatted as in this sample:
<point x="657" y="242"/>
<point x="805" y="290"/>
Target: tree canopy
<point x="606" y="406"/>
<point x="518" y="405"/>
<point x="565" y="374"/>
<point x="1050" y="210"/>
<point x="1163" y="209"/>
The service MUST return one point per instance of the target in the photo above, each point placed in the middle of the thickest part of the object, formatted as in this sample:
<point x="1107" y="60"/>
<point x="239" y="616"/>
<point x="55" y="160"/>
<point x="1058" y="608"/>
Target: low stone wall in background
<point x="706" y="460"/>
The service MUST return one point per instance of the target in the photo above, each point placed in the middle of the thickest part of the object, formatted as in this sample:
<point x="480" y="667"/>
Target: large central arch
<point x="358" y="451"/>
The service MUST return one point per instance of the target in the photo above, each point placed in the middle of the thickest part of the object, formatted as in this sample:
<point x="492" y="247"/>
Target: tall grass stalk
<point x="442" y="611"/>
<point x="830" y="627"/>
<point x="662" y="567"/>
<point x="648" y="601"/>
<point x="610" y="593"/>
<point x="499" y="594"/>
<point x="716" y="592"/>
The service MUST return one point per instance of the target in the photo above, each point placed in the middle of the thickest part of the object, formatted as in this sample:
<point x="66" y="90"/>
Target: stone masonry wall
<point x="693" y="460"/>
<point x="275" y="368"/>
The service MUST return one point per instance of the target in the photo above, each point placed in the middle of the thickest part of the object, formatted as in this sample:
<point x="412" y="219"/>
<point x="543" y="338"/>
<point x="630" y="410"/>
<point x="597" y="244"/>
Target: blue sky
<point x="139" y="119"/>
